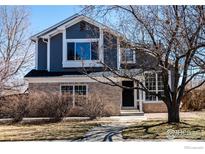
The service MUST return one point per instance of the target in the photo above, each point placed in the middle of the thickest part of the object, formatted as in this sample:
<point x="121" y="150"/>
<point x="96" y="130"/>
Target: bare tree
<point x="14" y="47"/>
<point x="173" y="35"/>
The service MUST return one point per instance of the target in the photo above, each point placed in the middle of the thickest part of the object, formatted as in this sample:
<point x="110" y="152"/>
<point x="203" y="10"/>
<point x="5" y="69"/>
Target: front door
<point x="128" y="94"/>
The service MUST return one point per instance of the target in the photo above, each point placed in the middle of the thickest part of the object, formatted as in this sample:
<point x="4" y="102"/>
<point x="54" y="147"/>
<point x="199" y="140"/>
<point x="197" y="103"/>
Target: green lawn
<point x="193" y="129"/>
<point x="69" y="130"/>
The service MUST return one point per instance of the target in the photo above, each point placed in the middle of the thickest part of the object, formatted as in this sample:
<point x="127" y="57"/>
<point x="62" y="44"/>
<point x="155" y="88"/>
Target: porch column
<point x="140" y="104"/>
<point x="141" y="95"/>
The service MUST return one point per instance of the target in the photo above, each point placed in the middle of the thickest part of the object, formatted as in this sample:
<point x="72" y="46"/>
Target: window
<point x="80" y="93"/>
<point x="82" y="51"/>
<point x="70" y="51"/>
<point x="67" y="90"/>
<point x="80" y="90"/>
<point x="94" y="51"/>
<point x="77" y="92"/>
<point x="128" y="56"/>
<point x="150" y="83"/>
<point x="153" y="82"/>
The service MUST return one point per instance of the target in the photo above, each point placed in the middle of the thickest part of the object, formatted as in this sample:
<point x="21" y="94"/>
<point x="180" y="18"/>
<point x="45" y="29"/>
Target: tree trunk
<point x="173" y="114"/>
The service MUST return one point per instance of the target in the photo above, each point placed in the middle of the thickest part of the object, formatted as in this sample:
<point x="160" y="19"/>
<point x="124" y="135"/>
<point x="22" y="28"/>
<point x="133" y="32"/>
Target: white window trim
<point x="156" y="80"/>
<point x="73" y="85"/>
<point x="128" y="62"/>
<point x="75" y="50"/>
<point x="138" y="100"/>
<point x="82" y="63"/>
<point x="83" y="40"/>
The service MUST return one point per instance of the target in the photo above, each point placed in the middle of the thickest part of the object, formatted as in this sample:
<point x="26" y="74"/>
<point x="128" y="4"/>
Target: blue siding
<point x="56" y="53"/>
<point x="75" y="32"/>
<point x="110" y="50"/>
<point x="42" y="55"/>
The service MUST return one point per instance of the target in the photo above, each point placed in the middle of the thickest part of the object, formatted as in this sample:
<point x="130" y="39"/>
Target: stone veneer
<point x="111" y="95"/>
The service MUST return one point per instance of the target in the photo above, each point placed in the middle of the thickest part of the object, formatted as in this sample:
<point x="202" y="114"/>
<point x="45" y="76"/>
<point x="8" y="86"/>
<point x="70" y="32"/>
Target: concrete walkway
<point x="105" y="133"/>
<point x="111" y="131"/>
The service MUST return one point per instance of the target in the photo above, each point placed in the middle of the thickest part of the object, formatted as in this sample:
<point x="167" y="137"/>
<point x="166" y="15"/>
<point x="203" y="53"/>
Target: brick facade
<point x="111" y="95"/>
<point x="154" y="107"/>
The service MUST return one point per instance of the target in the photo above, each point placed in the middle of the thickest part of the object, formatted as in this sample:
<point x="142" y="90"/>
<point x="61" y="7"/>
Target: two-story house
<point x="59" y="62"/>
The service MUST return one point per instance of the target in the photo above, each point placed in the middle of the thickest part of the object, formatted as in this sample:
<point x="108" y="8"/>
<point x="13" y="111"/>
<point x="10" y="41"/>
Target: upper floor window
<point x="154" y="83"/>
<point x="128" y="55"/>
<point x="82" y="50"/>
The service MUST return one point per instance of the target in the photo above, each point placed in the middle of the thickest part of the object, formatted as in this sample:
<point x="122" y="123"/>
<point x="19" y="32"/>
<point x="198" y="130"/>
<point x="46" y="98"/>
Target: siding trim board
<point x="48" y="54"/>
<point x="101" y="46"/>
<point x="36" y="54"/>
<point x="67" y="79"/>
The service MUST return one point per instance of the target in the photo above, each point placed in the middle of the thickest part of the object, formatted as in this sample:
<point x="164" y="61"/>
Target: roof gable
<point x="59" y="27"/>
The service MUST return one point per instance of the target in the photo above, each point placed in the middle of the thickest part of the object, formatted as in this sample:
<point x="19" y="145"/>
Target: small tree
<point x="173" y="35"/>
<point x="14" y="47"/>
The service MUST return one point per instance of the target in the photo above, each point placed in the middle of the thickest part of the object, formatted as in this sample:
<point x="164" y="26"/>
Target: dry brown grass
<point x="70" y="130"/>
<point x="190" y="129"/>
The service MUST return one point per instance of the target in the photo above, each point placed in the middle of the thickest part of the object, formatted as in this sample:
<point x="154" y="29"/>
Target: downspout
<point x="48" y="51"/>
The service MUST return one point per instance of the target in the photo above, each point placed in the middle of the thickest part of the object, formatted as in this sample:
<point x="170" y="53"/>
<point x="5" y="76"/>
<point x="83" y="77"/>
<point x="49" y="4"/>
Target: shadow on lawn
<point x="158" y="130"/>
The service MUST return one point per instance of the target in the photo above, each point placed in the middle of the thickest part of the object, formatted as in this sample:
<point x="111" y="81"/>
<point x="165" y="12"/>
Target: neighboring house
<point x="59" y="64"/>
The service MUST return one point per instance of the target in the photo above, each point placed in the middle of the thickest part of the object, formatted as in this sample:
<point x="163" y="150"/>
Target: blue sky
<point x="43" y="17"/>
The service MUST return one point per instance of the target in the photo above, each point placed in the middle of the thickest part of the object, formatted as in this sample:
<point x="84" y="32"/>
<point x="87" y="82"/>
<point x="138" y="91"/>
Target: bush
<point x="56" y="106"/>
<point x="51" y="105"/>
<point x="39" y="104"/>
<point x="194" y="101"/>
<point x="15" y="107"/>
<point x="93" y="106"/>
